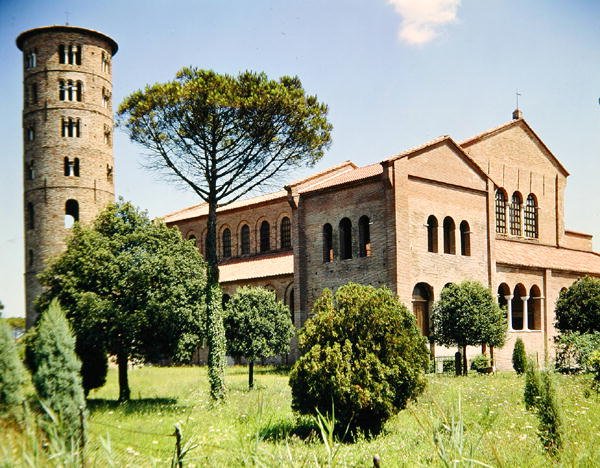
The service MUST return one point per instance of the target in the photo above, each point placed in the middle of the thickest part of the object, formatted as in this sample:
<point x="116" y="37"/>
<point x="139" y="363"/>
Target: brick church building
<point x="490" y="209"/>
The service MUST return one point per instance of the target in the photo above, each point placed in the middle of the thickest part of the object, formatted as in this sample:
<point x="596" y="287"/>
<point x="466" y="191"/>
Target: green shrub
<point x="12" y="372"/>
<point x="257" y="326"/>
<point x="549" y="429"/>
<point x="519" y="358"/>
<point x="540" y="396"/>
<point x="594" y="362"/>
<point x="532" y="390"/>
<point x="480" y="363"/>
<point x="578" y="307"/>
<point x="361" y="354"/>
<point x="573" y="350"/>
<point x="56" y="377"/>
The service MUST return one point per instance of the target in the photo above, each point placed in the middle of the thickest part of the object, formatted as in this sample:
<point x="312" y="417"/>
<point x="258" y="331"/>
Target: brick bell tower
<point x="67" y="130"/>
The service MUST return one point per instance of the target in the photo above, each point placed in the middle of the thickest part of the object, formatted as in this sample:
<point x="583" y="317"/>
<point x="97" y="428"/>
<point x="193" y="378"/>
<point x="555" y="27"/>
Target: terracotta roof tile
<point x="345" y="177"/>
<point x="202" y="209"/>
<point x="263" y="266"/>
<point x="543" y="256"/>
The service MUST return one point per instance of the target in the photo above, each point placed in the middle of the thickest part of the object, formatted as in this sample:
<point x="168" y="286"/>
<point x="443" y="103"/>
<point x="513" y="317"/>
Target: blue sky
<point x="395" y="73"/>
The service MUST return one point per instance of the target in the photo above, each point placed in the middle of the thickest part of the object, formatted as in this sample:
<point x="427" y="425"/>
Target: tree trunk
<point x="457" y="363"/>
<point x="214" y="319"/>
<point x="492" y="356"/>
<point x="124" y="392"/>
<point x="250" y="374"/>
<point x="465" y="366"/>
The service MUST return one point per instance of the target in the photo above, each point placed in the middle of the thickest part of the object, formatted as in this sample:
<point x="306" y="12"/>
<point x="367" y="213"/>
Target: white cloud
<point x="421" y="19"/>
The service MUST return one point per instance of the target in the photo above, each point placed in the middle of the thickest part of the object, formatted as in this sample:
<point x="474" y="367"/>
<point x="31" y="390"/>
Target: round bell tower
<point x="68" y="132"/>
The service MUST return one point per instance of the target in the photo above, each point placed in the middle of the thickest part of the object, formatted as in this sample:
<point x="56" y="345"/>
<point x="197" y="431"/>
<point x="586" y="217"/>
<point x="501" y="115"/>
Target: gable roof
<point x="321" y="177"/>
<point x="359" y="173"/>
<point x="439" y="141"/>
<point x="525" y="126"/>
<point x="263" y="266"/>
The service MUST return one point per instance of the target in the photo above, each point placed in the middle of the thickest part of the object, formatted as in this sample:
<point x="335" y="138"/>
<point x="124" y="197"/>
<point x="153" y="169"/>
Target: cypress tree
<point x="519" y="358"/>
<point x="56" y="377"/>
<point x="12" y="371"/>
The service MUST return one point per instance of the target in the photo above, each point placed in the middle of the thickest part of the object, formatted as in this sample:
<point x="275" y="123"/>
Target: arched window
<point x="327" y="243"/>
<point x="245" y="241"/>
<point x="500" y="211"/>
<point x="265" y="236"/>
<point x="534" y="309"/>
<point x="285" y="233"/>
<point x="226" y="242"/>
<point x="515" y="214"/>
<point x="62" y="90"/>
<point x="364" y="237"/>
<point x="225" y="299"/>
<point x="30" y="258"/>
<point x="71" y="213"/>
<point x="192" y="237"/>
<point x="30" y="216"/>
<point x="531" y="221"/>
<point x="449" y="240"/>
<point x="291" y="305"/>
<point x="79" y="90"/>
<point x="517" y="309"/>
<point x="345" y="238"/>
<point x="465" y="239"/>
<point x="432" y="234"/>
<point x="30" y="170"/>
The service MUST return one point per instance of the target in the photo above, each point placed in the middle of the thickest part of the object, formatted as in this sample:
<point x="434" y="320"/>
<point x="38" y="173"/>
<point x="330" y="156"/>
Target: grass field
<point x="480" y="418"/>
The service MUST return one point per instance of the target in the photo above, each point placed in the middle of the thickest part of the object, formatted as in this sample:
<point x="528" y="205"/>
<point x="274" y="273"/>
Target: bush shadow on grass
<point x="141" y="405"/>
<point x="304" y="427"/>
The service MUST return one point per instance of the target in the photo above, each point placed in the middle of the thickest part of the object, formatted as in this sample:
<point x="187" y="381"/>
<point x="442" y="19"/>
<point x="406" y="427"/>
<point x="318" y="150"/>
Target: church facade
<point x="490" y="209"/>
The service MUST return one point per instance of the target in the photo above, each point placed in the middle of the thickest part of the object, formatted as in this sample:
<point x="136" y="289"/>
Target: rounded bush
<point x="480" y="363"/>
<point x="362" y="358"/>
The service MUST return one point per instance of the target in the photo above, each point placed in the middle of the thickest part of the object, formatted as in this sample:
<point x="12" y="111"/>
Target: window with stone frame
<point x="70" y="127"/>
<point x="432" y="234"/>
<point x="30" y="216"/>
<point x="531" y="221"/>
<point x="245" y="240"/>
<point x="31" y="59"/>
<point x="465" y="239"/>
<point x="345" y="230"/>
<point x="449" y="235"/>
<point x="515" y="214"/>
<point x="364" y="237"/>
<point x="500" y="211"/>
<point x="327" y="243"/>
<point x="265" y="236"/>
<point x="285" y="233"/>
<point x="226" y="243"/>
<point x="69" y="54"/>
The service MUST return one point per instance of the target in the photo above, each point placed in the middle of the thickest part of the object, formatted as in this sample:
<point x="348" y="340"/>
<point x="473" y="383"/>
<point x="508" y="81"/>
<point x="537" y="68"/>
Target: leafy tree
<point x="132" y="287"/>
<point x="12" y="372"/>
<point x="468" y="315"/>
<point x="56" y="377"/>
<point x="224" y="136"/>
<point x="578" y="307"/>
<point x="573" y="351"/>
<point x="533" y="385"/>
<point x="362" y="357"/>
<point x="519" y="357"/>
<point x="257" y="326"/>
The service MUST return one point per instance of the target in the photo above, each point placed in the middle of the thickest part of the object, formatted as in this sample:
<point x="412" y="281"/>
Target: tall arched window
<point x="327" y="243"/>
<point x="449" y="239"/>
<point x="531" y="222"/>
<point x="226" y="242"/>
<point x="30" y="216"/>
<point x="345" y="238"/>
<point x="285" y="233"/>
<point x="500" y="211"/>
<point x="265" y="236"/>
<point x="515" y="214"/>
<point x="432" y="234"/>
<point x="71" y="213"/>
<point x="465" y="238"/>
<point x="245" y="241"/>
<point x="364" y="237"/>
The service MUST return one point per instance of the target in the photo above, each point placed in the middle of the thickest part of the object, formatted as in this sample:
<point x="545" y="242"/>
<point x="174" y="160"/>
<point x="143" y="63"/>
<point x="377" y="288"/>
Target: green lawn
<point x="251" y="427"/>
